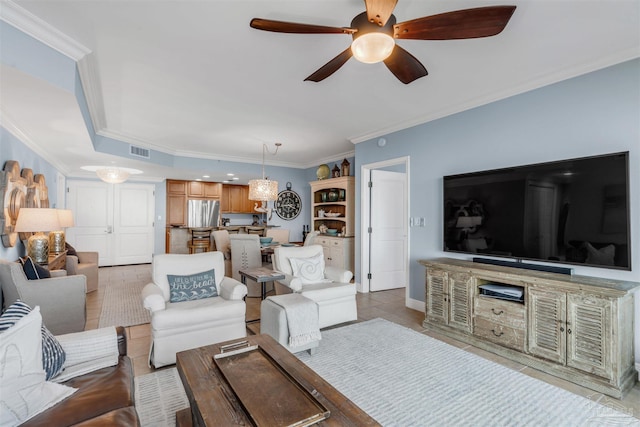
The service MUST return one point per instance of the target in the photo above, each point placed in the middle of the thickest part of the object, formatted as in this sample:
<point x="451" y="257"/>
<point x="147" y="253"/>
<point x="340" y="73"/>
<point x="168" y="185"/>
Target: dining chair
<point x="221" y="240"/>
<point x="246" y="253"/>
<point x="280" y="235"/>
<point x="255" y="230"/>
<point x="311" y="237"/>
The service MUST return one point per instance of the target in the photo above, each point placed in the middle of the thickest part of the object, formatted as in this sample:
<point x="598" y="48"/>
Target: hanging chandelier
<point x="264" y="190"/>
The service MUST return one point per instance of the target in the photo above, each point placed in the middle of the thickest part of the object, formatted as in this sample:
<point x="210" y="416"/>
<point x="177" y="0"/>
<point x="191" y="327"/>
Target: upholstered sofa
<point x="179" y="326"/>
<point x="62" y="300"/>
<point x="105" y="396"/>
<point x="85" y="263"/>
<point x="332" y="291"/>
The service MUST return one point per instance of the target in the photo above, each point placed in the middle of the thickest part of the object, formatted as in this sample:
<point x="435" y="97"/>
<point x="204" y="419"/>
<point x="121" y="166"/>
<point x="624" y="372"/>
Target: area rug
<point x="401" y="377"/>
<point x="122" y="305"/>
<point x="159" y="396"/>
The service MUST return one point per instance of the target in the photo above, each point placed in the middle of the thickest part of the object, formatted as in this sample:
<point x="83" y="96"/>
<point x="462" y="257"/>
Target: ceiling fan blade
<point x="379" y="11"/>
<point x="460" y="24"/>
<point x="330" y="67"/>
<point x="293" y="27"/>
<point x="404" y="66"/>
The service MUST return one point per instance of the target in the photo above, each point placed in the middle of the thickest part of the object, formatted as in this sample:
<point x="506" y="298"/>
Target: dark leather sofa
<point x="104" y="397"/>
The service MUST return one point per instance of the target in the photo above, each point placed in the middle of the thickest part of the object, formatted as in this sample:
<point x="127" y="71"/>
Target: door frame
<point x="365" y="204"/>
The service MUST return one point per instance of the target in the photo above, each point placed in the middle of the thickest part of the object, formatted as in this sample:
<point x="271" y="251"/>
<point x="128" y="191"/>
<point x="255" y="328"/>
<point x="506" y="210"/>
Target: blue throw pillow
<point x="192" y="287"/>
<point x="53" y="355"/>
<point x="33" y="270"/>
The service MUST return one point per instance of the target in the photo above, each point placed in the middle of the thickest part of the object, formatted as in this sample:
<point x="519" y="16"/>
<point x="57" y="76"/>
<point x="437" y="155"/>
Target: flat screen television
<point x="570" y="211"/>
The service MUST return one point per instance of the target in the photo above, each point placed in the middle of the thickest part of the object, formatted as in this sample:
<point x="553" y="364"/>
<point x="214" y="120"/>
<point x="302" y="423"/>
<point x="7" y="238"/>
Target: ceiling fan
<point x="374" y="32"/>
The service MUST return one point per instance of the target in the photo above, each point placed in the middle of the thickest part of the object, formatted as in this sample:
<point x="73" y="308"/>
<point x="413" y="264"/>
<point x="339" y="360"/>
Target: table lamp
<point x="57" y="238"/>
<point x="39" y="221"/>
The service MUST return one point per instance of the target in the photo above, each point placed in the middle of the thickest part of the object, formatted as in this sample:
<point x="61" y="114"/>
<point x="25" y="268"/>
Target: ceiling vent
<point x="139" y="152"/>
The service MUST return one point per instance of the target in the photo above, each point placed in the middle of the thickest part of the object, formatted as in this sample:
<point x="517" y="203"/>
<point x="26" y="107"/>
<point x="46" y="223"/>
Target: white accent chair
<point x="184" y="325"/>
<point x="335" y="295"/>
<point x="310" y="239"/>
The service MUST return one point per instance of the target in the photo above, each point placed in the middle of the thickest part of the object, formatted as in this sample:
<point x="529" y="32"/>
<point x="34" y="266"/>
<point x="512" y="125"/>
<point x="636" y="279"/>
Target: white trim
<point x="90" y="80"/>
<point x="494" y="96"/>
<point x="364" y="215"/>
<point x="415" y="304"/>
<point x="40" y="30"/>
<point x="638" y="369"/>
<point x="11" y="126"/>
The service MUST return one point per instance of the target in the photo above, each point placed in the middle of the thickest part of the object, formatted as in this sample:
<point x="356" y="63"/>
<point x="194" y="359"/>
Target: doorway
<point x="115" y="220"/>
<point x="384" y="233"/>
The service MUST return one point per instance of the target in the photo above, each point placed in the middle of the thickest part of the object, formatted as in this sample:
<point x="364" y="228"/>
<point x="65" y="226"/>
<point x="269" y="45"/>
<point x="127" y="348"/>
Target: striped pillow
<point x="53" y="356"/>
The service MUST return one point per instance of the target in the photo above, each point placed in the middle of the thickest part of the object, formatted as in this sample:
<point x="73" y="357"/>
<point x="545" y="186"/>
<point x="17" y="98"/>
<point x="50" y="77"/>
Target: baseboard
<point x="415" y="304"/>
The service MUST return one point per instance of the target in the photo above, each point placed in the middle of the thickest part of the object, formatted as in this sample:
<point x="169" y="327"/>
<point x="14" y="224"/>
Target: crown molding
<point x="42" y="31"/>
<point x="545" y="80"/>
<point x="12" y="127"/>
<point x="90" y="80"/>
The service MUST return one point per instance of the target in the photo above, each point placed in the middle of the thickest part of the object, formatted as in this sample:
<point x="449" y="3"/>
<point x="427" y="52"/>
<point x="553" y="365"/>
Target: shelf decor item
<point x="346" y="167"/>
<point x="323" y="172"/>
<point x="335" y="172"/>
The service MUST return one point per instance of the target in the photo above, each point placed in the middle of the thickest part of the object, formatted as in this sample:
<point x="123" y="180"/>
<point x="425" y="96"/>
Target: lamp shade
<point x="263" y="190"/>
<point x="113" y="175"/>
<point x="65" y="217"/>
<point x="372" y="47"/>
<point x="33" y="220"/>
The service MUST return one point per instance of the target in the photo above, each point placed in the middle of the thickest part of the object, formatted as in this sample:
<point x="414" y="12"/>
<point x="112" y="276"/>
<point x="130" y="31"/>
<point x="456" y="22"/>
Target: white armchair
<point x="329" y="287"/>
<point x="180" y="326"/>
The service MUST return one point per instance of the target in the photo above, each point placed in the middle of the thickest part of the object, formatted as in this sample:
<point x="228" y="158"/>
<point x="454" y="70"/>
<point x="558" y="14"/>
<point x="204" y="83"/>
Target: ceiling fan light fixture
<point x="372" y="47"/>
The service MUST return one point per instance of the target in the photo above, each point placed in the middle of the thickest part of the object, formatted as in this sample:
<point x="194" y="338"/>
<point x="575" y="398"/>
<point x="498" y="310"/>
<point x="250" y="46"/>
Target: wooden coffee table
<point x="215" y="403"/>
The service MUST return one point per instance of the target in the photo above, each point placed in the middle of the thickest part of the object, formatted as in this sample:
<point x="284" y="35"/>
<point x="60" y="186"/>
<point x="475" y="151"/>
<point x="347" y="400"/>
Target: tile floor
<point x="388" y="305"/>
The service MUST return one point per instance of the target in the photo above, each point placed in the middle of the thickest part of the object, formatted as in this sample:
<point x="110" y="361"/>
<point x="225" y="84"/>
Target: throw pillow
<point x="71" y="250"/>
<point x="33" y="270"/>
<point x="24" y="392"/>
<point x="192" y="287"/>
<point x="53" y="356"/>
<point x="602" y="256"/>
<point x="309" y="270"/>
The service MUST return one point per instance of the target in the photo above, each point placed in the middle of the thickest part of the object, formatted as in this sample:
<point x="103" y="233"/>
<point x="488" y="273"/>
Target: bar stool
<point x="256" y="230"/>
<point x="200" y="240"/>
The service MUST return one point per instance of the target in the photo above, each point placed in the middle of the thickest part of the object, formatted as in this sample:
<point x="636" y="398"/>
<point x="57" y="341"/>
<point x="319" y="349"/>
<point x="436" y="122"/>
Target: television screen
<point x="572" y="211"/>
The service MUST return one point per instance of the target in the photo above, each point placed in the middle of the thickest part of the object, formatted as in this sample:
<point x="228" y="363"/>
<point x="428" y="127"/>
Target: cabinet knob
<point x="497" y="335"/>
<point x="497" y="313"/>
<point x="568" y="331"/>
<point x="561" y="329"/>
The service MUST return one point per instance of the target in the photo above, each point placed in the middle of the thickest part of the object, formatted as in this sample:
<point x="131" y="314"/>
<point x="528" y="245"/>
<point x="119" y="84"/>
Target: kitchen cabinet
<point x="195" y="189"/>
<point x="574" y="327"/>
<point x="176" y="210"/>
<point x="235" y="199"/>
<point x="176" y="187"/>
<point x="212" y="190"/>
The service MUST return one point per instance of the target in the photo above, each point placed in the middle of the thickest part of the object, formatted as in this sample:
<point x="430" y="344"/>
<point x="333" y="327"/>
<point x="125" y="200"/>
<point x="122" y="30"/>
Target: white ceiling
<point x="191" y="78"/>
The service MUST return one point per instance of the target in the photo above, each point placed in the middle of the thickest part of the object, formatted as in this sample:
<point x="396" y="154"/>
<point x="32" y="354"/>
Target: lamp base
<point x="38" y="248"/>
<point x="56" y="242"/>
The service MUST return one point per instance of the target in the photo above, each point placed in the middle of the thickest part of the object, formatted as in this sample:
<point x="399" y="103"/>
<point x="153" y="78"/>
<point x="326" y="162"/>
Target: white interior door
<point x="388" y="258"/>
<point x="115" y="220"/>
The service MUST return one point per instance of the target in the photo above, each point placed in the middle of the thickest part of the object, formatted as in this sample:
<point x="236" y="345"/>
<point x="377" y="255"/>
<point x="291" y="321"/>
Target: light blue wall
<point x="11" y="148"/>
<point x="593" y="114"/>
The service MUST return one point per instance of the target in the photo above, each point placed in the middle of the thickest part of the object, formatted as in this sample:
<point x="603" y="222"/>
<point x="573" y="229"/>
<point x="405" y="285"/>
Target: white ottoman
<point x="273" y="321"/>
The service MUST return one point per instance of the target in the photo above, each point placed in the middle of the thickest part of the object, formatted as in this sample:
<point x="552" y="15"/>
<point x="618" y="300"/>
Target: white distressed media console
<point x="574" y="327"/>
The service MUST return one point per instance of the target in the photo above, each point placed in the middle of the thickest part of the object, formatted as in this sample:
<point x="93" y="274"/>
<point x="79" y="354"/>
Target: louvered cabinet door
<point x="589" y="334"/>
<point x="437" y="292"/>
<point x="547" y="314"/>
<point x="460" y="301"/>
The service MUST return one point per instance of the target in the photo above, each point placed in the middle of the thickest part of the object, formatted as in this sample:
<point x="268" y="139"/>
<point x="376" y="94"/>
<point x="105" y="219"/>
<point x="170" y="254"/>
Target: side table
<point x="261" y="275"/>
<point x="56" y="261"/>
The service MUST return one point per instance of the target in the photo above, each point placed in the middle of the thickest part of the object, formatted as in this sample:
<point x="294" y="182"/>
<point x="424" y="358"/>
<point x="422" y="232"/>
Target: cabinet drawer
<point x="499" y="334"/>
<point x="504" y="312"/>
